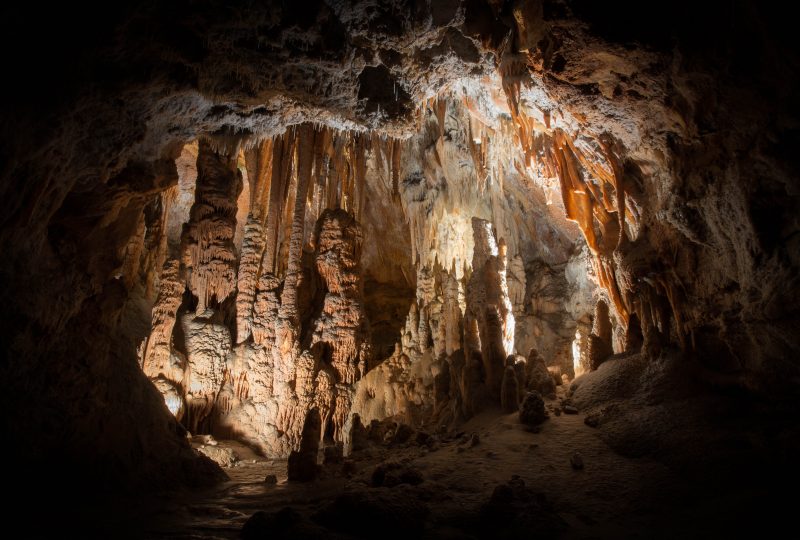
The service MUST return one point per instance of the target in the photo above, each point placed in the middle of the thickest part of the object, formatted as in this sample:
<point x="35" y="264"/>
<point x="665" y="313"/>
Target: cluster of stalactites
<point x="318" y="174"/>
<point x="307" y="169"/>
<point x="596" y="197"/>
<point x="308" y="172"/>
<point x="439" y="218"/>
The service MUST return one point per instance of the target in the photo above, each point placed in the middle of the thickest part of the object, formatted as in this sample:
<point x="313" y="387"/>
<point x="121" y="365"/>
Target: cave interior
<point x="392" y="268"/>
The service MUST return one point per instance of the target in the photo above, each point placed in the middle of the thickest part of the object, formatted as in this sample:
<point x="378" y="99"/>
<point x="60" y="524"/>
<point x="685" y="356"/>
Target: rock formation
<point x="488" y="304"/>
<point x="161" y="362"/>
<point x="599" y="344"/>
<point x="532" y="412"/>
<point x="509" y="391"/>
<point x="303" y="462"/>
<point x="209" y="255"/>
<point x="538" y="377"/>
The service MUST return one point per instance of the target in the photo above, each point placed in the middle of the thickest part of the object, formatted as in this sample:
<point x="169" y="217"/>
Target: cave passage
<point x="449" y="269"/>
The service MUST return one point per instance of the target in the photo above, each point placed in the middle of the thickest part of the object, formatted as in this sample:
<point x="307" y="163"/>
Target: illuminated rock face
<point x="301" y="337"/>
<point x="652" y="178"/>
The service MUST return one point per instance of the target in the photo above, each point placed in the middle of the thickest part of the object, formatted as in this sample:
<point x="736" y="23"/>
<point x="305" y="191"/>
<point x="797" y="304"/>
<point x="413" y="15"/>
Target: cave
<point x="400" y="268"/>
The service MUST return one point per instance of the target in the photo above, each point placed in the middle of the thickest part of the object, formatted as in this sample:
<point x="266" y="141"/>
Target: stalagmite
<point x="520" y="371"/>
<point x="538" y="376"/>
<point x="265" y="310"/>
<point x="302" y="465"/>
<point x="580" y="347"/>
<point x="208" y="344"/>
<point x="633" y="334"/>
<point x="159" y="356"/>
<point x="452" y="317"/>
<point x="515" y="276"/>
<point x="509" y="392"/>
<point x="600" y="338"/>
<point x="325" y="396"/>
<point x="247" y="279"/>
<point x="342" y="328"/>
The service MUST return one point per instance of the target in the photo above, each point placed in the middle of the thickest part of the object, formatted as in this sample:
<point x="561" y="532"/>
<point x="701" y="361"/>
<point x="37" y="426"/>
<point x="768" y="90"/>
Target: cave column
<point x="210" y="261"/>
<point x="489" y="309"/>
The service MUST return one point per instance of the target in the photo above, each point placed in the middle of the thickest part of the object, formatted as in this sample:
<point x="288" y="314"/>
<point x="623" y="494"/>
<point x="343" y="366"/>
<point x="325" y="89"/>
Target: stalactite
<point x="209" y="252"/>
<point x="316" y="192"/>
<point x="583" y="205"/>
<point x="477" y="152"/>
<point x="260" y="177"/>
<point x="360" y="168"/>
<point x="335" y="151"/>
<point x="584" y="201"/>
<point x="259" y="165"/>
<point x="266" y="302"/>
<point x="396" y="148"/>
<point x="289" y="309"/>
<point x="282" y="150"/>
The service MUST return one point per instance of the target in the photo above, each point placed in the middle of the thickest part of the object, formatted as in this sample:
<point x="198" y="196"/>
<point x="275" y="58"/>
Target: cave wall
<point x="686" y="120"/>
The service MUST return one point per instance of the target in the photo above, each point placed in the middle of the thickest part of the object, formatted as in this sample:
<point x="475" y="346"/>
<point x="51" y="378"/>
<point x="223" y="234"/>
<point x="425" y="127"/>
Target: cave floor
<point x="612" y="496"/>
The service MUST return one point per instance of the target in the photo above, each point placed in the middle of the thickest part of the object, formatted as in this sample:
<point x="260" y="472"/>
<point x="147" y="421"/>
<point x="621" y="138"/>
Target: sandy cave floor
<point x="611" y="497"/>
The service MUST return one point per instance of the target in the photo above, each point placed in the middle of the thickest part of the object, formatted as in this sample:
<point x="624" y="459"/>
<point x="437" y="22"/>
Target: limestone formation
<point x="599" y="345"/>
<point x="161" y="361"/>
<point x="303" y="462"/>
<point x="532" y="412"/>
<point x="633" y="334"/>
<point x="207" y="347"/>
<point x="259" y="162"/>
<point x="343" y="327"/>
<point x="509" y="391"/>
<point x="489" y="309"/>
<point x="580" y="347"/>
<point x="209" y="254"/>
<point x="539" y="378"/>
